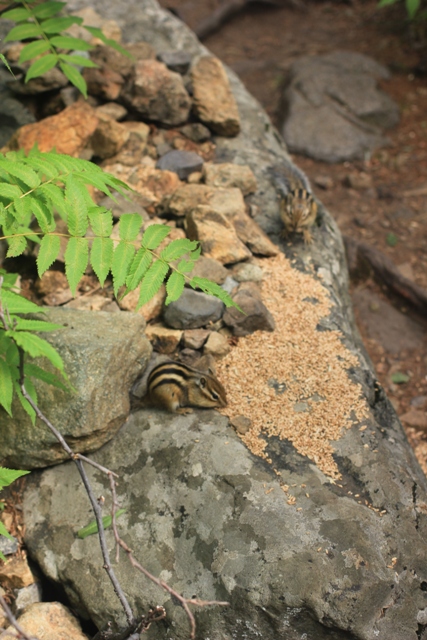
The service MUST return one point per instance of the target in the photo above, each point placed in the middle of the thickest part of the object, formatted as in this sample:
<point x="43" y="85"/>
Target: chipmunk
<point x="298" y="208"/>
<point x="175" y="387"/>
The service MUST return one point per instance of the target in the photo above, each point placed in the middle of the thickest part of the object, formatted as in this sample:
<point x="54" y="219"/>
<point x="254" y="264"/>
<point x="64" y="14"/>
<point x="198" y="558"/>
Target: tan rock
<point x="103" y="82"/>
<point x="213" y="101"/>
<point x="140" y="128"/>
<point x="211" y="269"/>
<point x="195" y="338"/>
<point x="69" y="131"/>
<point x="163" y="339"/>
<point x="111" y="30"/>
<point x="228" y="202"/>
<point x="54" y="288"/>
<point x="216" y="235"/>
<point x="252" y="235"/>
<point x="93" y="303"/>
<point x="111" y="110"/>
<point x="241" y="424"/>
<point x="151" y="310"/>
<point x="228" y="174"/>
<point x="48" y="621"/>
<point x="155" y="185"/>
<point x="108" y="137"/>
<point x="131" y="152"/>
<point x="15" y="573"/>
<point x="415" y="418"/>
<point x="157" y="93"/>
<point x="217" y="345"/>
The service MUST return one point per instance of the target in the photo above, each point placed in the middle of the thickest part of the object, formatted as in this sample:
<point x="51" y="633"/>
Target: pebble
<point x="183" y="163"/>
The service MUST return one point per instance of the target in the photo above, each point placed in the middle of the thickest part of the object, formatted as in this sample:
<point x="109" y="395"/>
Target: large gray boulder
<point x="102" y="353"/>
<point x="347" y="561"/>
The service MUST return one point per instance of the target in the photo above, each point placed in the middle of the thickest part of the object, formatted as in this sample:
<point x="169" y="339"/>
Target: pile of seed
<point x="293" y="382"/>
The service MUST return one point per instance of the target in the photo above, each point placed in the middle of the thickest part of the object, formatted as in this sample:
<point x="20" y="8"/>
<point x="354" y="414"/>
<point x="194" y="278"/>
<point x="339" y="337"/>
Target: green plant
<point x="41" y="21"/>
<point x="7" y="476"/>
<point x="412" y="6"/>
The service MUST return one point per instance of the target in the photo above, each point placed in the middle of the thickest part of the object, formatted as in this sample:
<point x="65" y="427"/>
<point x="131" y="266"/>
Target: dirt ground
<point x="388" y="209"/>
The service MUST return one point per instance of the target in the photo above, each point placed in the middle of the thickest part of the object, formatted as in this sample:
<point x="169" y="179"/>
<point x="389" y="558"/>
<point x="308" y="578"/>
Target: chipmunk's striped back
<point x="174" y="385"/>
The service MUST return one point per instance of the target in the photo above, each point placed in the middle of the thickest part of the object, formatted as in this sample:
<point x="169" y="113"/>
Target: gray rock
<point x="103" y="354"/>
<point x="211" y="269"/>
<point x="196" y="131"/>
<point x="334" y="109"/>
<point x="183" y="163"/>
<point x="121" y="205"/>
<point x="255" y="316"/>
<point x="178" y="61"/>
<point x="193" y="310"/>
<point x="8" y="546"/>
<point x="26" y="596"/>
<point x="52" y="79"/>
<point x="13" y="114"/>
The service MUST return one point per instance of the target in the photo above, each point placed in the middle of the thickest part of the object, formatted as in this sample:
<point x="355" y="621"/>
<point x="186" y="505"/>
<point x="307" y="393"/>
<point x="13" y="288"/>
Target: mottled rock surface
<point x="193" y="310"/>
<point x="50" y="621"/>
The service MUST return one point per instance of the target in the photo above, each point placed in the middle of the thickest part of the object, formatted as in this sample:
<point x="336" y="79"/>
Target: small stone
<point x="121" y="205"/>
<point x="196" y="132"/>
<point x="178" y="61"/>
<point x="54" y="288"/>
<point x="195" y="338"/>
<point x="230" y="284"/>
<point x="216" y="235"/>
<point x="108" y="138"/>
<point x="195" y="178"/>
<point x="415" y="418"/>
<point x="8" y="546"/>
<point x="151" y="310"/>
<point x="324" y="182"/>
<point x="132" y="152"/>
<point x="213" y="100"/>
<point x="217" y="345"/>
<point x="140" y="128"/>
<point x="49" y="81"/>
<point x="419" y="402"/>
<point x="157" y="93"/>
<point x="247" y="271"/>
<point x="68" y="132"/>
<point x="183" y="163"/>
<point x="406" y="270"/>
<point x="50" y="621"/>
<point x="249" y="232"/>
<point x="256" y="316"/>
<point x="26" y="596"/>
<point x="193" y="310"/>
<point x="16" y="574"/>
<point x="163" y="339"/>
<point x="190" y="357"/>
<point x="228" y="175"/>
<point x="155" y="187"/>
<point x="358" y="181"/>
<point x="69" y="95"/>
<point x="241" y="424"/>
<point x="211" y="269"/>
<point x="112" y="110"/>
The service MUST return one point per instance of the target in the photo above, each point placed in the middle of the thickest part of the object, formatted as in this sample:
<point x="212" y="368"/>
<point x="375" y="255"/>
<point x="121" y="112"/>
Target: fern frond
<point x="152" y="281"/>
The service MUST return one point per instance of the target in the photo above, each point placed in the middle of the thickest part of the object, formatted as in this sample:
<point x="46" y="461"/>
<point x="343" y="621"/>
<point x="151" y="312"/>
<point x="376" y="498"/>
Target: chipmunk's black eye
<point x="215" y="396"/>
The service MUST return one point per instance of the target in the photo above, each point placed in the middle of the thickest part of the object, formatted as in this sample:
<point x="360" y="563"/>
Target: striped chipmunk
<point x="176" y="387"/>
<point x="298" y="208"/>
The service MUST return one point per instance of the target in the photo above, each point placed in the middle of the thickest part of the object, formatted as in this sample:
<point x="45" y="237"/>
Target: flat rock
<point x="217" y="345"/>
<point x="68" y="132"/>
<point x="195" y="338"/>
<point x="112" y="110"/>
<point x="227" y="174"/>
<point x="50" y="621"/>
<point x="255" y="316"/>
<point x="193" y="310"/>
<point x="196" y="132"/>
<point x="249" y="232"/>
<point x="338" y="90"/>
<point x="157" y="93"/>
<point x="103" y="354"/>
<point x="183" y="163"/>
<point x="214" y="103"/>
<point x="216" y="235"/>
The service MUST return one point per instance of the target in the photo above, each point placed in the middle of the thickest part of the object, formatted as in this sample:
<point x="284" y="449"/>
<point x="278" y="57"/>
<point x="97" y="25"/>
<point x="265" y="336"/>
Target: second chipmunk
<point x="176" y="387"/>
<point x="298" y="208"/>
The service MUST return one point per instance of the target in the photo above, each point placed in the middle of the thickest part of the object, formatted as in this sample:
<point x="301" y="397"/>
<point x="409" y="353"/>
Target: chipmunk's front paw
<point x="308" y="239"/>
<point x="184" y="410"/>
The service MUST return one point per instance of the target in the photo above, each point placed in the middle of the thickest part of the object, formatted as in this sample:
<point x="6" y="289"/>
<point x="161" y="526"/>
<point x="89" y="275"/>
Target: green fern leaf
<point x="101" y="221"/>
<point x="108" y="41"/>
<point x="174" y="287"/>
<point x="95" y="179"/>
<point x="56" y="197"/>
<point x="25" y="324"/>
<point x="20" y="171"/>
<point x="213" y="289"/>
<point x="68" y="42"/>
<point x="152" y="281"/>
<point x="154" y="235"/>
<point x="74" y="76"/>
<point x="81" y="61"/>
<point x="195" y="255"/>
<point x="23" y="31"/>
<point x="138" y="268"/>
<point x="17" y="15"/>
<point x="15" y="303"/>
<point x="40" y="66"/>
<point x="178" y="248"/>
<point x="129" y="226"/>
<point x="33" y="49"/>
<point x="7" y="476"/>
<point x="185" y="266"/>
<point x="47" y="9"/>
<point x="50" y="246"/>
<point x="36" y="347"/>
<point x="122" y="259"/>
<point x="42" y="214"/>
<point x="75" y="195"/>
<point x="101" y="257"/>
<point x="76" y="258"/>
<point x="24" y="402"/>
<point x="33" y="371"/>
<point x="56" y="25"/>
<point x="10" y="191"/>
<point x="17" y="246"/>
<point x="43" y="165"/>
<point x="6" y="389"/>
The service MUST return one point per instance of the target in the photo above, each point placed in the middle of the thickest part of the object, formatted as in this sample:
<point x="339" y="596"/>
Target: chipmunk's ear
<point x="202" y="382"/>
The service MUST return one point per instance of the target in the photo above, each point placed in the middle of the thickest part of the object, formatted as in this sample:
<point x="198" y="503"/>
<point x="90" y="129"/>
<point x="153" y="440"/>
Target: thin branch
<point x="13" y="622"/>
